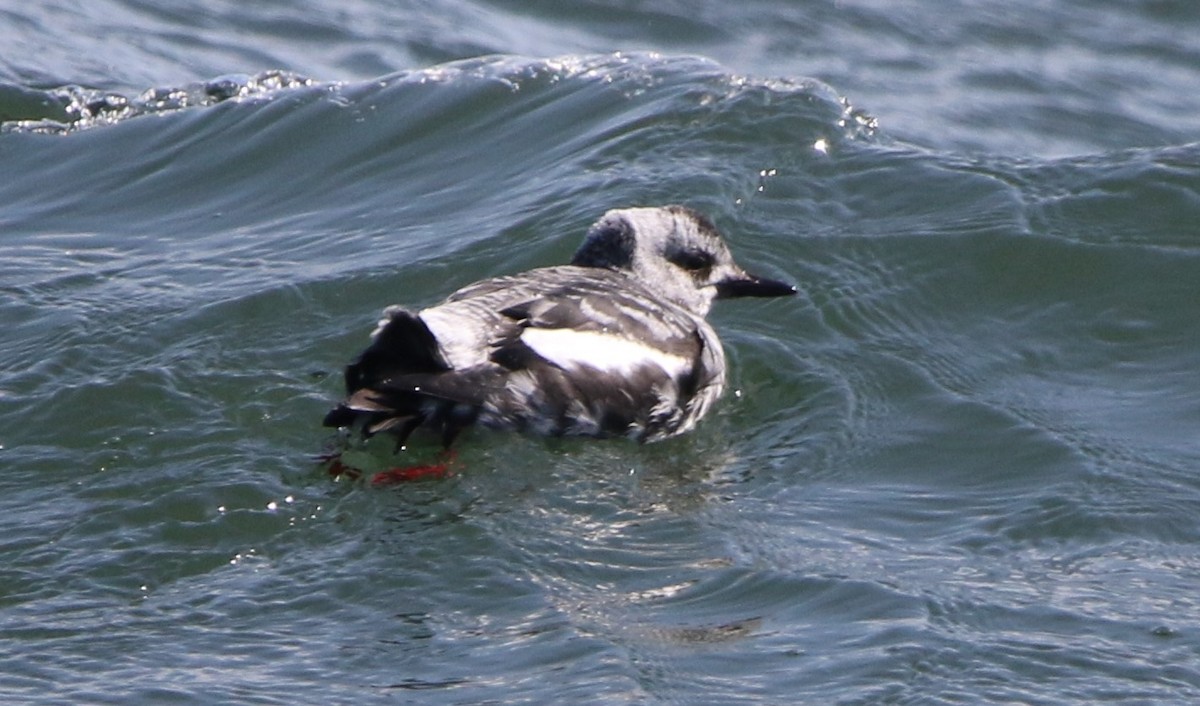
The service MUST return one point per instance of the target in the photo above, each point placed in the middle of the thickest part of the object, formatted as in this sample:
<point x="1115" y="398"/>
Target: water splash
<point x="70" y="109"/>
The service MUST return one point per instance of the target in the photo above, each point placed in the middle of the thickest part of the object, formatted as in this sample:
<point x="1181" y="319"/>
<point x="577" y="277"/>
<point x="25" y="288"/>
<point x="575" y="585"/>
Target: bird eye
<point x="693" y="260"/>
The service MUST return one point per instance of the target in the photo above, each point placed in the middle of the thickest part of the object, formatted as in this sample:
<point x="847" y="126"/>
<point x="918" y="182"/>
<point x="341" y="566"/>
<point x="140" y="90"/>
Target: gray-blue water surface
<point x="962" y="467"/>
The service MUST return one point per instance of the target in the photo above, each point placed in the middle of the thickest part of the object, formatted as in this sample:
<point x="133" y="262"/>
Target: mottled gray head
<point x="676" y="252"/>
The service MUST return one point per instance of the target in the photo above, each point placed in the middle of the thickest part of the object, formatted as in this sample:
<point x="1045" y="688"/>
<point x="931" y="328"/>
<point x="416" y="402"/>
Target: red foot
<point x="405" y="474"/>
<point x="401" y="474"/>
<point x="336" y="468"/>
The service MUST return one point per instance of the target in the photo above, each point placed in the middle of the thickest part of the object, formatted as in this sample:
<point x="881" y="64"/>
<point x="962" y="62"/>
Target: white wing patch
<point x="569" y="349"/>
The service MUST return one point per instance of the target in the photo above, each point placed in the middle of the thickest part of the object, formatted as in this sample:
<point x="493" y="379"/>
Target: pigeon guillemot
<point x="613" y="345"/>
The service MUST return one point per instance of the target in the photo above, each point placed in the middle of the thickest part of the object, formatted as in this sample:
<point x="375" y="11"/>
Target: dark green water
<point x="963" y="466"/>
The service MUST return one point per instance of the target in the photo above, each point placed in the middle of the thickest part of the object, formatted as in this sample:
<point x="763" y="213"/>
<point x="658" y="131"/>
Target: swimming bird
<point x="615" y="344"/>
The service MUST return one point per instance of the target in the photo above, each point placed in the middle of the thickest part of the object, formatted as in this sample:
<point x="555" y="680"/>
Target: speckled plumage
<point x="614" y="344"/>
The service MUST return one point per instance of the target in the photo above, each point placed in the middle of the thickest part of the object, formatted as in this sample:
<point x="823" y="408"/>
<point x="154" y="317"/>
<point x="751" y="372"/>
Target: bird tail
<point x="403" y="348"/>
<point x="403" y="345"/>
<point x="398" y="384"/>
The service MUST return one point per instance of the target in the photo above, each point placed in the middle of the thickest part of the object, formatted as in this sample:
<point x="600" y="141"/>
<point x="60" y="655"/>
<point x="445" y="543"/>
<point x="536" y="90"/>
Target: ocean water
<point x="962" y="466"/>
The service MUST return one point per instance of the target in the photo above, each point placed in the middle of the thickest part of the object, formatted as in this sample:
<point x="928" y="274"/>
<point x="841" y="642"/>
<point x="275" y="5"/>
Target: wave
<point x="72" y="108"/>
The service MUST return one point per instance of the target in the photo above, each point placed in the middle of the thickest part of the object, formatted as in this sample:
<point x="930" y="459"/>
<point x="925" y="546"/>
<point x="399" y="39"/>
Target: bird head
<point x="674" y="251"/>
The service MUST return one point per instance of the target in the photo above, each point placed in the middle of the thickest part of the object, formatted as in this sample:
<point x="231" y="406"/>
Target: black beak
<point x="751" y="286"/>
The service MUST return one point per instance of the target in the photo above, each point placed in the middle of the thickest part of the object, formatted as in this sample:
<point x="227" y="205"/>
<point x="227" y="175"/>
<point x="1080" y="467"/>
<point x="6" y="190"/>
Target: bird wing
<point x="602" y="357"/>
<point x="587" y="324"/>
<point x="593" y="312"/>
